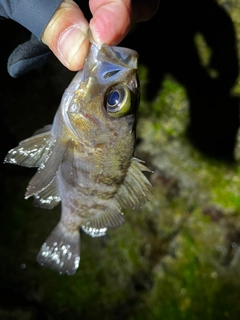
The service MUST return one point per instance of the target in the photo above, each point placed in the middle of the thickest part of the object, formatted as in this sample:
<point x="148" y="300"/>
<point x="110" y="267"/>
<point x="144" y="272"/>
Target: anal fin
<point x="97" y="225"/>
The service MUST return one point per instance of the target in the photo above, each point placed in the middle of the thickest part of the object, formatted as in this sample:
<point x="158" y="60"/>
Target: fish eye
<point x="118" y="100"/>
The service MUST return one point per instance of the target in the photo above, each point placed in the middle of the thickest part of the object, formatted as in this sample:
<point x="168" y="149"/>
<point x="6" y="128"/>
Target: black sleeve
<point x="32" y="14"/>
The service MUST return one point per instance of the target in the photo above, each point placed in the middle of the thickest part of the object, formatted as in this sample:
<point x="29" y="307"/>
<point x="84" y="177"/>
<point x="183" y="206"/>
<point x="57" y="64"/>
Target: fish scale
<point x="86" y="160"/>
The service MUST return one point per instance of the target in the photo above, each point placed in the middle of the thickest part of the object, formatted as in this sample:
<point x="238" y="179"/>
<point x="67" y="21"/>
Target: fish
<point x="85" y="159"/>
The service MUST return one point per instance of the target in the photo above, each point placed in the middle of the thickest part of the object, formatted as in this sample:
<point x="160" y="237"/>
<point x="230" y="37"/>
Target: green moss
<point x="205" y="54"/>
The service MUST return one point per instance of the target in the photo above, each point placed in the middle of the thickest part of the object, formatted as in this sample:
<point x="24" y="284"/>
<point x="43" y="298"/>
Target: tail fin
<point x="61" y="251"/>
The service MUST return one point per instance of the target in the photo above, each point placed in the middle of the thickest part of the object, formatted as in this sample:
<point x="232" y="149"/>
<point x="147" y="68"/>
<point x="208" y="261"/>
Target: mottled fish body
<point x="85" y="159"/>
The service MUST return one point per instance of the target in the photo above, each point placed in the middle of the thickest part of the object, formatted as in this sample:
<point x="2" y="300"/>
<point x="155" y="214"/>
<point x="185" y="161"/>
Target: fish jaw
<point x="109" y="65"/>
<point x="104" y="67"/>
<point x="111" y="55"/>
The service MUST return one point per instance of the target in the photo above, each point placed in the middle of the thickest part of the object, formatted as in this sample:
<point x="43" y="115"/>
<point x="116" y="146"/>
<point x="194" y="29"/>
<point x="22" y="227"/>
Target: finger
<point x="66" y="35"/>
<point x="111" y="20"/>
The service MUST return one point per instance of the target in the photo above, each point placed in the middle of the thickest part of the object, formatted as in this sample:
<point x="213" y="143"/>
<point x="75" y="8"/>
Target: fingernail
<point x="70" y="42"/>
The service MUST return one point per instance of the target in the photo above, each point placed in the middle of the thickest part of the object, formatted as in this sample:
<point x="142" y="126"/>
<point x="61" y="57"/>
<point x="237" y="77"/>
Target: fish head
<point x="105" y="94"/>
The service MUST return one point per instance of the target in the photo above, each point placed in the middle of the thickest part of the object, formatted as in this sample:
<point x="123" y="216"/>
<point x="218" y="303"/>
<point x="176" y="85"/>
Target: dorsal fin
<point x="31" y="152"/>
<point x="44" y="129"/>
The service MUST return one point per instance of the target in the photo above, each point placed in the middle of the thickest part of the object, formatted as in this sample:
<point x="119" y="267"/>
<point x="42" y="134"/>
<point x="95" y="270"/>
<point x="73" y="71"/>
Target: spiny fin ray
<point x="46" y="128"/>
<point x="135" y="189"/>
<point x="47" y="171"/>
<point x="49" y="197"/>
<point x="32" y="151"/>
<point x="97" y="225"/>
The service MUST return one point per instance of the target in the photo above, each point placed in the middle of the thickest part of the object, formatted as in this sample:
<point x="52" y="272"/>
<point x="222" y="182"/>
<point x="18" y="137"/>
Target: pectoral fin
<point x="47" y="171"/>
<point x="31" y="152"/>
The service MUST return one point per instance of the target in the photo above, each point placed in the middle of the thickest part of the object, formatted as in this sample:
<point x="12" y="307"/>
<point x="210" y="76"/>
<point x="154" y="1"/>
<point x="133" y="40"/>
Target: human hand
<point x="62" y="26"/>
<point x="66" y="32"/>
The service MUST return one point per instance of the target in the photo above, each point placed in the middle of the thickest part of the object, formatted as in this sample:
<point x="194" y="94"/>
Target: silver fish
<point x="86" y="158"/>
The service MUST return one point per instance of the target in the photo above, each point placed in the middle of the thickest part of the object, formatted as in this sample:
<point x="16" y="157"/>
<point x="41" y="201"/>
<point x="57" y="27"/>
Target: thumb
<point x="66" y="35"/>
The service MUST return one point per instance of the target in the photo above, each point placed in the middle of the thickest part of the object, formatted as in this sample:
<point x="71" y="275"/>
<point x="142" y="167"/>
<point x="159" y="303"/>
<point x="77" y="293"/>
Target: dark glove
<point x="27" y="56"/>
